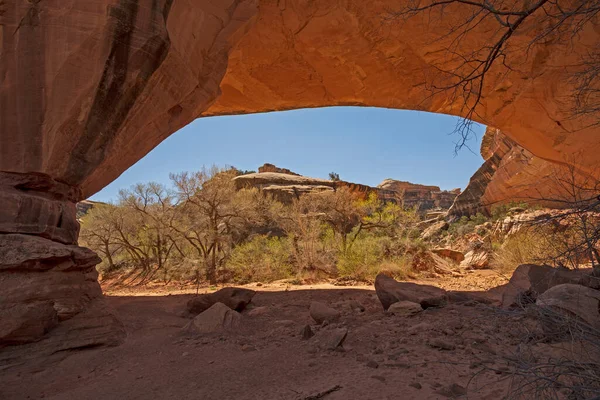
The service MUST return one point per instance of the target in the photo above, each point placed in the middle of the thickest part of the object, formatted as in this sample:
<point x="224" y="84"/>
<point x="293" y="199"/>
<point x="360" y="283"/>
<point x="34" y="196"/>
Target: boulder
<point x="476" y="259"/>
<point x="235" y="298"/>
<point x="390" y="291"/>
<point x="454" y="255"/>
<point x="321" y="312"/>
<point x="434" y="230"/>
<point x="575" y="303"/>
<point x="219" y="317"/>
<point x="405" y="308"/>
<point x="530" y="280"/>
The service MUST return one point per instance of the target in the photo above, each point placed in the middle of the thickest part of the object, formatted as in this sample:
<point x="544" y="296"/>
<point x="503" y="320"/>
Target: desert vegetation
<point x="203" y="229"/>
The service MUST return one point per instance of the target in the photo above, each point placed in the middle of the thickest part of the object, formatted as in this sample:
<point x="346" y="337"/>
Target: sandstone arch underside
<point x="88" y="88"/>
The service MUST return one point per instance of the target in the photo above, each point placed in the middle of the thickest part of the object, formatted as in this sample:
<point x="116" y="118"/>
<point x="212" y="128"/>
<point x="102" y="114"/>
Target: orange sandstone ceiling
<point x="87" y="88"/>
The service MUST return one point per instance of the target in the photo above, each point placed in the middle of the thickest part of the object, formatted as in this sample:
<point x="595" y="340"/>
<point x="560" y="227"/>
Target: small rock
<point x="321" y="312"/>
<point x="331" y="339"/>
<point x="235" y="298"/>
<point x="247" y="348"/>
<point x="405" y="308"/>
<point x="372" y="364"/>
<point x="452" y="391"/>
<point x="442" y="344"/>
<point x="356" y="306"/>
<point x="416" y="385"/>
<point x="379" y="378"/>
<point x="390" y="291"/>
<point x="306" y="332"/>
<point x="217" y="318"/>
<point x="422" y="327"/>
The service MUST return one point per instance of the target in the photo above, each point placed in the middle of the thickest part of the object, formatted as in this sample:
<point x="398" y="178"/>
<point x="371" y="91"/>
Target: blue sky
<point x="363" y="145"/>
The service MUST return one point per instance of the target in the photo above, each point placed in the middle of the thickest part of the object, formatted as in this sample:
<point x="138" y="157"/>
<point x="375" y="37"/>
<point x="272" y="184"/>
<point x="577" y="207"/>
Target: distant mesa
<point x="286" y="185"/>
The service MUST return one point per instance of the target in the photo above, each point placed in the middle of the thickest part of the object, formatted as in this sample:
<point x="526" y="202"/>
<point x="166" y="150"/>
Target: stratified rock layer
<point x="45" y="283"/>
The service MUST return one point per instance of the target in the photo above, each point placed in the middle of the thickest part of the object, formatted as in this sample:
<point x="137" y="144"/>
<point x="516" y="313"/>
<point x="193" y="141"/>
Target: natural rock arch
<point x="88" y="88"/>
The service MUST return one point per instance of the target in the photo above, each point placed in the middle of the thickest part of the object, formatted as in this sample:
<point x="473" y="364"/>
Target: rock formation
<point x="286" y="185"/>
<point x="273" y="168"/>
<point x="422" y="196"/>
<point x="87" y="88"/>
<point x="511" y="173"/>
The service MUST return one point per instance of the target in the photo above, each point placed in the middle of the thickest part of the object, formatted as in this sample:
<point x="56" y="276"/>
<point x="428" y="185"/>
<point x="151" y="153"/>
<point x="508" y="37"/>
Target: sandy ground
<point x="436" y="354"/>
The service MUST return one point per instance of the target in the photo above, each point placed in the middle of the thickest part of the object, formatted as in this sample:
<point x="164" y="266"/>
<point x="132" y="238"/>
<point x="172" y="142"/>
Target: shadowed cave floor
<point x="384" y="356"/>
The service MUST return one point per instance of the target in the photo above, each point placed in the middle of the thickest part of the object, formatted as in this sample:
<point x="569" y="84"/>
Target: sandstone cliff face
<point x="511" y="173"/>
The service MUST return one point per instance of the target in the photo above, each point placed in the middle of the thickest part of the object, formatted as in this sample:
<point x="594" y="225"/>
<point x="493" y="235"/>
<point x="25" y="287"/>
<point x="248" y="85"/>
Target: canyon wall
<point x="87" y="88"/>
<point x="511" y="173"/>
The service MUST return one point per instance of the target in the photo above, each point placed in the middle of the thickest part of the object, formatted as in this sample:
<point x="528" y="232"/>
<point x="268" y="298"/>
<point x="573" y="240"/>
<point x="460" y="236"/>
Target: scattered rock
<point x="404" y="308"/>
<point x="235" y="298"/>
<point x="372" y="364"/>
<point x="422" y="327"/>
<point x="441" y="344"/>
<point x="390" y="291"/>
<point x="321" y="312"/>
<point x="434" y="230"/>
<point x="217" y="318"/>
<point x="331" y="339"/>
<point x="306" y="332"/>
<point x="575" y="303"/>
<point x="476" y="259"/>
<point x="454" y="255"/>
<point x="379" y="378"/>
<point x="247" y="348"/>
<point x="356" y="306"/>
<point x="452" y="391"/>
<point x="529" y="281"/>
<point x="416" y="385"/>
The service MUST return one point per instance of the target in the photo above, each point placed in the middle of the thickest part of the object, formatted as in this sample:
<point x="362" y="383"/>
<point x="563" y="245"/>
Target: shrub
<point x="262" y="259"/>
<point x="466" y="225"/>
<point x="501" y="211"/>
<point x="371" y="255"/>
<point x="525" y="246"/>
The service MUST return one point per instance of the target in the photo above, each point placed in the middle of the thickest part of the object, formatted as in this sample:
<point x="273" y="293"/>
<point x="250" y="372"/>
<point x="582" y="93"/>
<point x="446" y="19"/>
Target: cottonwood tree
<point x="212" y="215"/>
<point x="155" y="210"/>
<point x="98" y="232"/>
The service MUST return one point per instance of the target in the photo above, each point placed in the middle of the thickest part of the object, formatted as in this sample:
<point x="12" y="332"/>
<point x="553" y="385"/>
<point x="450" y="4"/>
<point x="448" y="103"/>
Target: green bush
<point x="370" y="255"/>
<point x="525" y="247"/>
<point x="501" y="211"/>
<point x="466" y="225"/>
<point x="262" y="259"/>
